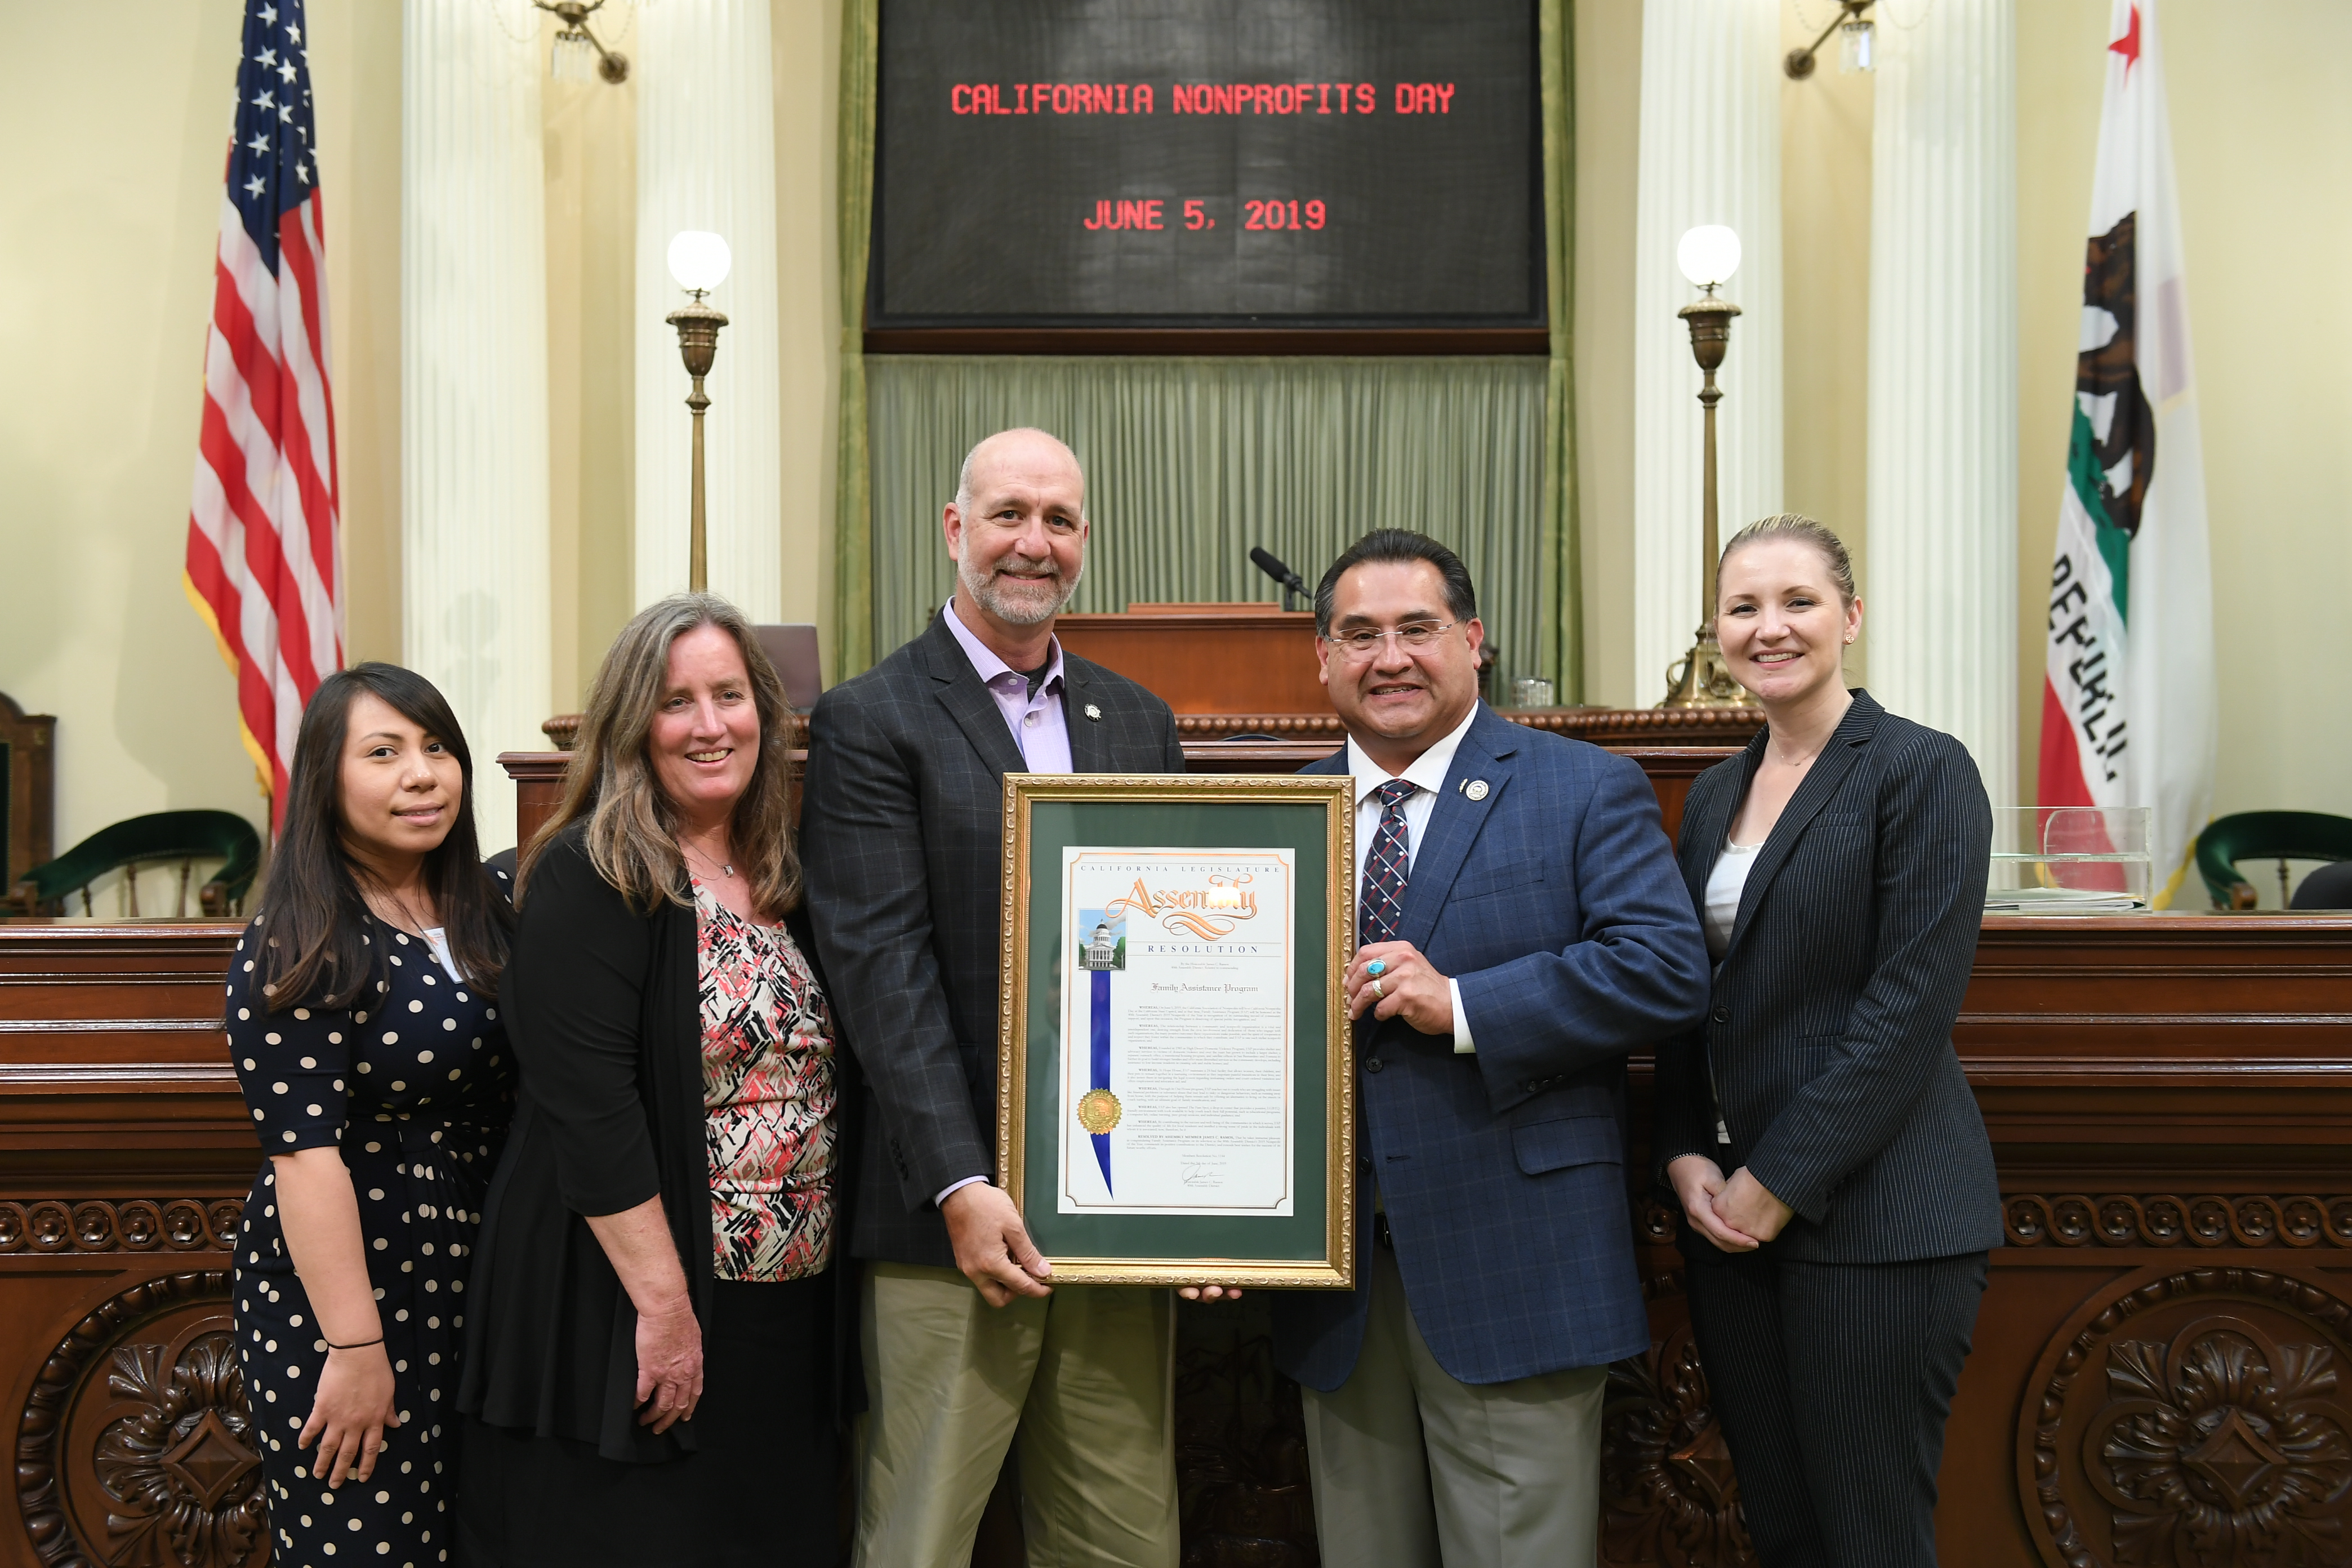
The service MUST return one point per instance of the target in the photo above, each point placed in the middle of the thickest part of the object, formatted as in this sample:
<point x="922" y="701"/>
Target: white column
<point x="473" y="430"/>
<point x="1711" y="153"/>
<point x="1942" y="589"/>
<point x="707" y="160"/>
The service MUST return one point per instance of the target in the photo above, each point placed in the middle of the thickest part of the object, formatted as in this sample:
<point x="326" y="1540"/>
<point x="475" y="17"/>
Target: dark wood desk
<point x="1207" y="658"/>
<point x="1668" y="754"/>
<point x="2166" y="1334"/>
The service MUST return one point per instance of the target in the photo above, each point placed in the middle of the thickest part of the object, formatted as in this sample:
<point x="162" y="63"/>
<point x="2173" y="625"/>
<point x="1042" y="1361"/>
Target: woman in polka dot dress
<point x="362" y="1018"/>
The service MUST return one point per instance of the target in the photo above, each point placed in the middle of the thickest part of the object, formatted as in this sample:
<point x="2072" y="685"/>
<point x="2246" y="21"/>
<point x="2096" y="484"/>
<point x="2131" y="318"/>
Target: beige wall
<point x="592" y="208"/>
<point x="808" y="291"/>
<point x="591" y="220"/>
<point x="106" y="285"/>
<point x="1608" y="147"/>
<point x="2259" y="145"/>
<point x="105" y="293"/>
<point x="355" y="86"/>
<point x="1825" y="290"/>
<point x="2256" y="140"/>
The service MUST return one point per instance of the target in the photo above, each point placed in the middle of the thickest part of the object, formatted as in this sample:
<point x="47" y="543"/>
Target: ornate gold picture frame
<point x="1191" y="931"/>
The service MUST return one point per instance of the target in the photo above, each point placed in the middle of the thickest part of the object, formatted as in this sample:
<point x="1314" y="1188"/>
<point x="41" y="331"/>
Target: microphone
<point x="1266" y="562"/>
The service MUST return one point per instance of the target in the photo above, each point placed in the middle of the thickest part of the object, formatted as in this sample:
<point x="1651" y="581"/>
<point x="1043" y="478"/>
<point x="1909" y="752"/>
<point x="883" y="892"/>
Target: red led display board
<point x="1297" y="167"/>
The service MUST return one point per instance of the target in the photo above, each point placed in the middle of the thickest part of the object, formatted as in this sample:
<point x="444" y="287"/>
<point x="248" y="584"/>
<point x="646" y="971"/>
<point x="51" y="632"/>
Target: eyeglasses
<point x="1414" y="637"/>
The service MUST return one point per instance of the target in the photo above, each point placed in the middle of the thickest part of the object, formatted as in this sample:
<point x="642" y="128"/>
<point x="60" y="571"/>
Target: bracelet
<point x="357" y="1345"/>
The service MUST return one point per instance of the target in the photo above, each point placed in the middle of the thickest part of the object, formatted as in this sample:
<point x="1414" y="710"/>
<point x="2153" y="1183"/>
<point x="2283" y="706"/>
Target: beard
<point x="1017" y="601"/>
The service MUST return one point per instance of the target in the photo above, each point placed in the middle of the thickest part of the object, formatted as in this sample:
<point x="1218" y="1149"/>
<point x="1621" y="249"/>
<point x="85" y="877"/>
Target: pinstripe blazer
<point x="1552" y="900"/>
<point x="902" y="837"/>
<point x="1830" y="1029"/>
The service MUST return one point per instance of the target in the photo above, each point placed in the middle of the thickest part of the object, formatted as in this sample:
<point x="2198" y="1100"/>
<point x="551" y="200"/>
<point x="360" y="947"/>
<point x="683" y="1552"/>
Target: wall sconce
<point x="699" y="260"/>
<point x="575" y="44"/>
<point x="1857" y="42"/>
<point x="1707" y="255"/>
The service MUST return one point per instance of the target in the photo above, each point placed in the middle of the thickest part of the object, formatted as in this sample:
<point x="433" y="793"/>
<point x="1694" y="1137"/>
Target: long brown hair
<point x="632" y="824"/>
<point x="314" y="921"/>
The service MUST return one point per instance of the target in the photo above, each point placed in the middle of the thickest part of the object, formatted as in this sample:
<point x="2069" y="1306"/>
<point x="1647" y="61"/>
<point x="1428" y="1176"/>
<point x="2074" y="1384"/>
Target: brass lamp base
<point x="698" y="341"/>
<point x="1698" y="680"/>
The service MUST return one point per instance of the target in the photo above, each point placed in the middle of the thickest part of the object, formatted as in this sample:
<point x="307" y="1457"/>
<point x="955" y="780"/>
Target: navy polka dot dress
<point x="416" y="1088"/>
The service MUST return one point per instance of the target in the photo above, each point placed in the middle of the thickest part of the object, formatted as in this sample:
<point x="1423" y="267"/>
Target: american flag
<point x="265" y="559"/>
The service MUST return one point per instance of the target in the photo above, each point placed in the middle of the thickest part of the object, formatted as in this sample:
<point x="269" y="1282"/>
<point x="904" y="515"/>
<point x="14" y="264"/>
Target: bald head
<point x="1017" y="534"/>
<point x="1024" y="450"/>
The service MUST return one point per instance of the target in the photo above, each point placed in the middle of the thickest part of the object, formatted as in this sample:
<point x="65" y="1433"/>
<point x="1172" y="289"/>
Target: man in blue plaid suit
<point x="1522" y="927"/>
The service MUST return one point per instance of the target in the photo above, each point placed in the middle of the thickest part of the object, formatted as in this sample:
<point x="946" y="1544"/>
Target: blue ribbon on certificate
<point x="1098" y="1076"/>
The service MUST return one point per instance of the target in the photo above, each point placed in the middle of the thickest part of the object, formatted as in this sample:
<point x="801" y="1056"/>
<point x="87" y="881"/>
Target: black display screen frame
<point x="1524" y="332"/>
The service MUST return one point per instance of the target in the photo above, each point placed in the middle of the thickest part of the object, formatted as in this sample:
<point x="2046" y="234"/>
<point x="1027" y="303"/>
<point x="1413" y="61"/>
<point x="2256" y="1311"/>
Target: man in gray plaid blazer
<point x="965" y="1342"/>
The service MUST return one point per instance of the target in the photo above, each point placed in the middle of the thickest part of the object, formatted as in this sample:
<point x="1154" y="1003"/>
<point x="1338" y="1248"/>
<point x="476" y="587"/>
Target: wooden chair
<point x="186" y="836"/>
<point x="2281" y="836"/>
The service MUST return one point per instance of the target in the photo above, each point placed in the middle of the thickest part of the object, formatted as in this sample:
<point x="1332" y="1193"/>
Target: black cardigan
<point x="1830" y="1029"/>
<point x="603" y="1011"/>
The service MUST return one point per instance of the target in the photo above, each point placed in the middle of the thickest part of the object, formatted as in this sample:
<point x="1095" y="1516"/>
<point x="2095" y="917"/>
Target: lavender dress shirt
<point x="1040" y="727"/>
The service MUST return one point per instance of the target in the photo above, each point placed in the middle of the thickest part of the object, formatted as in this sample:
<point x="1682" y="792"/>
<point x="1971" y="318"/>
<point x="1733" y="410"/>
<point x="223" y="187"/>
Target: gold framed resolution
<point x="1175" y="1075"/>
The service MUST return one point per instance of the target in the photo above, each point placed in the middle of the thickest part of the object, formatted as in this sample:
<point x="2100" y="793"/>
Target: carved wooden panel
<point x="2194" y="1418"/>
<point x="134" y="1446"/>
<point x="1241" y="1444"/>
<point x="2166" y="1219"/>
<point x="52" y="1225"/>
<point x="1669" y="1494"/>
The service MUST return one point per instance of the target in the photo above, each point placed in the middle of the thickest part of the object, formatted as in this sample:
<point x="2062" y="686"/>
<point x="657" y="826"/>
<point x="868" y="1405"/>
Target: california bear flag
<point x="2127" y="710"/>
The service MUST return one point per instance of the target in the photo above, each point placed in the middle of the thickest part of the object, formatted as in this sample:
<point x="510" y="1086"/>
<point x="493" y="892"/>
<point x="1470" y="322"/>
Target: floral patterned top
<point x="768" y="1097"/>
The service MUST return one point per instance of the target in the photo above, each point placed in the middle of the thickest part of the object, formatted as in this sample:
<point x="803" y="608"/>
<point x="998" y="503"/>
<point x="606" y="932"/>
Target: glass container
<point x="2069" y="859"/>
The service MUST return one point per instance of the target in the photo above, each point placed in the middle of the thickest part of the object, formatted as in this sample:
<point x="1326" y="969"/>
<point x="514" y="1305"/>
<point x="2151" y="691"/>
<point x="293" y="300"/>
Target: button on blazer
<point x="1829" y="1032"/>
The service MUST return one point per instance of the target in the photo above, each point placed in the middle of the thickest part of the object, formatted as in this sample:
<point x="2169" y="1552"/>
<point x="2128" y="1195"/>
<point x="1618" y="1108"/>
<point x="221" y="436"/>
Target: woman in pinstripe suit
<point x="1836" y="1184"/>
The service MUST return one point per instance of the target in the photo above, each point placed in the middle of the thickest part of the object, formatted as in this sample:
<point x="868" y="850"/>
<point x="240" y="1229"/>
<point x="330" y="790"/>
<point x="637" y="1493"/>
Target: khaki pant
<point x="1413" y="1469"/>
<point x="1085" y="1378"/>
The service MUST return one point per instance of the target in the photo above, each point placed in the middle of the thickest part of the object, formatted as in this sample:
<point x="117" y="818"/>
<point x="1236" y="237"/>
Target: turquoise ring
<point x="1376" y="968"/>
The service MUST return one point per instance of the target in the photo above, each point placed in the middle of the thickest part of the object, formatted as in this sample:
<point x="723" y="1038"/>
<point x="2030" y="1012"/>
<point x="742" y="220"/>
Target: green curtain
<point x="852" y="648"/>
<point x="1191" y="462"/>
<point x="1562" y="657"/>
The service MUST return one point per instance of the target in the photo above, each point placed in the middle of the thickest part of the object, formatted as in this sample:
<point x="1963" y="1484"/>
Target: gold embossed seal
<point x="1098" y="1111"/>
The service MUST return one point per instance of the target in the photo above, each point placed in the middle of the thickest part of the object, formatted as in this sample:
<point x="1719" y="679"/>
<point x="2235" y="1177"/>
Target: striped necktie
<point x="1381" y="904"/>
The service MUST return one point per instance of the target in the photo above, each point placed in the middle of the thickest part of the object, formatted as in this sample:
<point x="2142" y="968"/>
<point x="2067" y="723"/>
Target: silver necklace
<point x="728" y="868"/>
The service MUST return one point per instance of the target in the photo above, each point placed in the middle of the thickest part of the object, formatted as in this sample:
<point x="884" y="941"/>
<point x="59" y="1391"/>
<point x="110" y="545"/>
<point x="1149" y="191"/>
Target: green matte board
<point x="1205" y="825"/>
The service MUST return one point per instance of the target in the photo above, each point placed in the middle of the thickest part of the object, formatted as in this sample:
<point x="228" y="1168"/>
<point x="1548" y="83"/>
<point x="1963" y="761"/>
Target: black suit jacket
<point x="902" y="826"/>
<point x="1829" y="1027"/>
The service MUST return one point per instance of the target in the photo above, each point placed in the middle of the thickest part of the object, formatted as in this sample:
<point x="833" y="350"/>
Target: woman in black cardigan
<point x="653" y="1368"/>
<point x="1836" y="1184"/>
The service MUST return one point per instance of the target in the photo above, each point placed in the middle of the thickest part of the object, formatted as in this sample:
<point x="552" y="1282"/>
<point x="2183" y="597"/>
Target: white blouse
<point x="1724" y="886"/>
